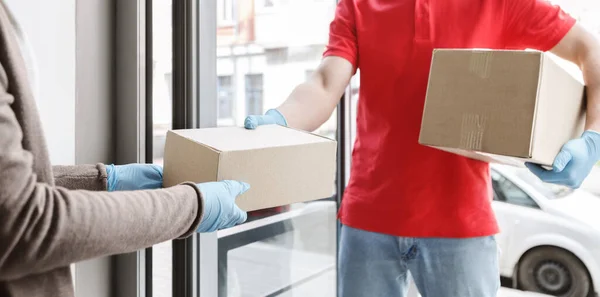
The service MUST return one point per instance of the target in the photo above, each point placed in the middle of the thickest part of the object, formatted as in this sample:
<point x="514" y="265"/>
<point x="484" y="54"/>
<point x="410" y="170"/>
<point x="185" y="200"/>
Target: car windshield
<point x="551" y="191"/>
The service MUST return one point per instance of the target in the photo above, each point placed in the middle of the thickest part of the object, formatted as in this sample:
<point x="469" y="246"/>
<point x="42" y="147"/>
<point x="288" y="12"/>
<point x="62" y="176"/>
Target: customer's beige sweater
<point x="52" y="217"/>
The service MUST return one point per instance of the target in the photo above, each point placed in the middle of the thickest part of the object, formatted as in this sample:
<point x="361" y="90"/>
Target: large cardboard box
<point x="282" y="165"/>
<point x="501" y="106"/>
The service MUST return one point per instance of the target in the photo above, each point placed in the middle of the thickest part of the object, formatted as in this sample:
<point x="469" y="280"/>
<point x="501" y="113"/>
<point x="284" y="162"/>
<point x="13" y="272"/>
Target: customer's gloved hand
<point x="574" y="162"/>
<point x="220" y="211"/>
<point x="134" y="177"/>
<point x="272" y="116"/>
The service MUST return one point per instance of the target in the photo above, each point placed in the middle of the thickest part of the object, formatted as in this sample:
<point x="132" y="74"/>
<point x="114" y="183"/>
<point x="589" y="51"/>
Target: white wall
<point x="50" y="28"/>
<point x="68" y="96"/>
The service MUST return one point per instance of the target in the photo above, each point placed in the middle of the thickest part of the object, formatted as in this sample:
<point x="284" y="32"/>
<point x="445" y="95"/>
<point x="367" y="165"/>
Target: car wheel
<point x="553" y="271"/>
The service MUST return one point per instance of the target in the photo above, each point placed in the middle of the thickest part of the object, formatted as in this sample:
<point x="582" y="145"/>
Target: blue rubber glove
<point x="272" y="116"/>
<point x="134" y="177"/>
<point x="220" y="211"/>
<point x="573" y="163"/>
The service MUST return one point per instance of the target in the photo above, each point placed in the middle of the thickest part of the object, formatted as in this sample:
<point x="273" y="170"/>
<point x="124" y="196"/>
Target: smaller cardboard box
<point x="501" y="106"/>
<point x="282" y="165"/>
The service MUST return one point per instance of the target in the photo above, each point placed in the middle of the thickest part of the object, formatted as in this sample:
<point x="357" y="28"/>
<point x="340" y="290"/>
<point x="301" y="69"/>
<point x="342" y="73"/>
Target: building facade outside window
<point x="254" y="93"/>
<point x="225" y="12"/>
<point x="225" y="95"/>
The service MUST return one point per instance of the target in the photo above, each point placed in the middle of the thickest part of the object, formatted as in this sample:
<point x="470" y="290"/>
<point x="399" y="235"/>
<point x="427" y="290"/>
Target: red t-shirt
<point x="397" y="186"/>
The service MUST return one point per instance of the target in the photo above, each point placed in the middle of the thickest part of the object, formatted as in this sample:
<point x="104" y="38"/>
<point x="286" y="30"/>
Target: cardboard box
<point x="282" y="165"/>
<point x="501" y="106"/>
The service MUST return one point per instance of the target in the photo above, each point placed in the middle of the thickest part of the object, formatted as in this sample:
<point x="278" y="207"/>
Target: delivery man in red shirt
<point x="410" y="208"/>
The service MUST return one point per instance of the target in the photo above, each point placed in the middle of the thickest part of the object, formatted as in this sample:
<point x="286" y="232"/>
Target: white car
<point x="550" y="235"/>
<point x="592" y="183"/>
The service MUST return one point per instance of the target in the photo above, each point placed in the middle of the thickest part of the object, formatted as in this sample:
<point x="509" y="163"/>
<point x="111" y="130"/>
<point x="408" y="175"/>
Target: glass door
<point x="235" y="58"/>
<point x="264" y="48"/>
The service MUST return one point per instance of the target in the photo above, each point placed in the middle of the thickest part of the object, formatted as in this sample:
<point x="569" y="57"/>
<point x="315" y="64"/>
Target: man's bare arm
<point x="582" y="48"/>
<point x="311" y="103"/>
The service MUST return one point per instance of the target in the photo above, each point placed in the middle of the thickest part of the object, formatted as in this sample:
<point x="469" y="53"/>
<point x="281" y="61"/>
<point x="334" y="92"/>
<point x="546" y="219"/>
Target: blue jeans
<point x="377" y="265"/>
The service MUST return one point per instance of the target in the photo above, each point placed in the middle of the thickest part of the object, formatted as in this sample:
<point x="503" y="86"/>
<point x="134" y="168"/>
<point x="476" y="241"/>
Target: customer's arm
<point x="100" y="177"/>
<point x="81" y="177"/>
<point x="44" y="227"/>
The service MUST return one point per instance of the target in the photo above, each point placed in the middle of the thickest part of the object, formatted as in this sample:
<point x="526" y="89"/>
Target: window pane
<point x="162" y="105"/>
<point x="225" y="94"/>
<point x="254" y="93"/>
<point x="288" y="250"/>
<point x="496" y="177"/>
<point x="514" y="195"/>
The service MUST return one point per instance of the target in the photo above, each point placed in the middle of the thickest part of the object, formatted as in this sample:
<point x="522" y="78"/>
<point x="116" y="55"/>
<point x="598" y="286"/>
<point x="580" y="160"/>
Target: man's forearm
<point x="311" y="103"/>
<point x="582" y="48"/>
<point x="308" y="106"/>
<point x="590" y="66"/>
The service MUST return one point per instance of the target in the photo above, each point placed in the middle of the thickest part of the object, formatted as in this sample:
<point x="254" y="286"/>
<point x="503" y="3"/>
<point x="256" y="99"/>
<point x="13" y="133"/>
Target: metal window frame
<point x="130" y="274"/>
<point x="149" y="73"/>
<point x="190" y="90"/>
<point x="195" y="260"/>
<point x="206" y="54"/>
